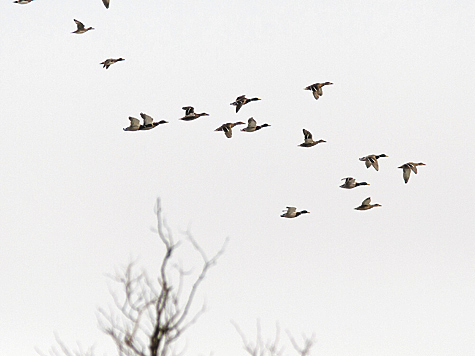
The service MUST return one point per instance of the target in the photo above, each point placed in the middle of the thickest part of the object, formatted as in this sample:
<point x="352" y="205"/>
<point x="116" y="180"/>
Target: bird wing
<point x="134" y="124"/>
<point x="79" y="24"/>
<point x="320" y="90"/>
<point x="291" y="210"/>
<point x="375" y="163"/>
<point x="240" y="98"/>
<point x="413" y="167"/>
<point x="316" y="95"/>
<point x="228" y="131"/>
<point x="350" y="181"/>
<point x="147" y="120"/>
<point x="366" y="201"/>
<point x="239" y="104"/>
<point x="189" y="110"/>
<point x="251" y="123"/>
<point x="106" y="3"/>
<point x="406" y="173"/>
<point x="307" y="135"/>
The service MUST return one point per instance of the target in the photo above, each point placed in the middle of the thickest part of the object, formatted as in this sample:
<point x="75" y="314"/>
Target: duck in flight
<point x="252" y="126"/>
<point x="81" y="28"/>
<point x="351" y="183"/>
<point x="309" y="142"/>
<point x="23" y="2"/>
<point x="372" y="160"/>
<point x="408" y="167"/>
<point x="108" y="62"/>
<point x="190" y="113"/>
<point x="242" y="100"/>
<point x="365" y="205"/>
<point x="293" y="213"/>
<point x="148" y="123"/>
<point x="227" y="128"/>
<point x="317" y="89"/>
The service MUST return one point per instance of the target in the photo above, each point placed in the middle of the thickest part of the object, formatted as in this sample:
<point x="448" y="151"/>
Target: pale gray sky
<point x="78" y="192"/>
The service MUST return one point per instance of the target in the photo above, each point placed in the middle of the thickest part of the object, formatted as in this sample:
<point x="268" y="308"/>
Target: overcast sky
<point x="78" y="193"/>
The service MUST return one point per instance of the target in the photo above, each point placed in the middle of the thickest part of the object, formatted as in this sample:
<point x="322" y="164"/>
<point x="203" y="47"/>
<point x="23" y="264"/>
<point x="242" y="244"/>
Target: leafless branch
<point x="271" y="347"/>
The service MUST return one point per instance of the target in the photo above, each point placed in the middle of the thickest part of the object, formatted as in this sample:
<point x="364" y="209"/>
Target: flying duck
<point x="309" y="142"/>
<point x="108" y="62"/>
<point x="407" y="167"/>
<point x="242" y="100"/>
<point x="81" y="28"/>
<point x="293" y="213"/>
<point x="372" y="160"/>
<point x="227" y="128"/>
<point x="252" y="125"/>
<point x="148" y="123"/>
<point x="190" y="114"/>
<point x="317" y="89"/>
<point x="106" y="3"/>
<point x="351" y="183"/>
<point x="365" y="205"/>
<point x="23" y="2"/>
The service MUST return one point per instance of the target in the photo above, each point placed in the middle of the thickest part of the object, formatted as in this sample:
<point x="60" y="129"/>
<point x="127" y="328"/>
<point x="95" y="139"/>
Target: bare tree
<point x="272" y="347"/>
<point x="150" y="315"/>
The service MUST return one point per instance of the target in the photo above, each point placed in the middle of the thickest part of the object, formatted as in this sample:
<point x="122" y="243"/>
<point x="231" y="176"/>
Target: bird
<point x="365" y="205"/>
<point x="242" y="100"/>
<point x="106" y="3"/>
<point x="293" y="213"/>
<point x="309" y="142"/>
<point x="23" y="2"/>
<point x="407" y="167"/>
<point x="148" y="123"/>
<point x="317" y="89"/>
<point x="190" y="114"/>
<point x="227" y="128"/>
<point x="81" y="28"/>
<point x="372" y="160"/>
<point x="351" y="183"/>
<point x="108" y="62"/>
<point x="252" y="125"/>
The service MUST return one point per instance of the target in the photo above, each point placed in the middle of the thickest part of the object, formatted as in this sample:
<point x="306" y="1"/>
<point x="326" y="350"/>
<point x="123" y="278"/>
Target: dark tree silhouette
<point x="150" y="315"/>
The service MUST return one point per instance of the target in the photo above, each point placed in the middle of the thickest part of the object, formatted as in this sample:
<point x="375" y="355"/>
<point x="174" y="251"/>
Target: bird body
<point x="365" y="205"/>
<point x="23" y="2"/>
<point x="309" y="142"/>
<point x="190" y="114"/>
<point x="317" y="89"/>
<point x="148" y="123"/>
<point x="227" y="128"/>
<point x="252" y="126"/>
<point x="372" y="160"/>
<point x="81" y="28"/>
<point x="293" y="213"/>
<point x="242" y="100"/>
<point x="408" y="167"/>
<point x="351" y="183"/>
<point x="108" y="62"/>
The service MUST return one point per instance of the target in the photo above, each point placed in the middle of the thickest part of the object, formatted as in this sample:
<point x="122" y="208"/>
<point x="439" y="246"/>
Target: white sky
<point x="78" y="192"/>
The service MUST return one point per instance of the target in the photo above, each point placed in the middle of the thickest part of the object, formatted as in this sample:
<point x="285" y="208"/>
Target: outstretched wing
<point x="367" y="201"/>
<point x="79" y="24"/>
<point x="134" y="124"/>
<point x="189" y="110"/>
<point x="251" y="123"/>
<point x="147" y="120"/>
<point x="406" y="173"/>
<point x="307" y="135"/>
<point x="106" y="3"/>
<point x="291" y="210"/>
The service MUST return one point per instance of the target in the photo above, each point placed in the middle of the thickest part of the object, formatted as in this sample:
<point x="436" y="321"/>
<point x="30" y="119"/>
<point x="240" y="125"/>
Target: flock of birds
<point x="317" y="91"/>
